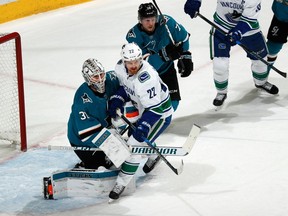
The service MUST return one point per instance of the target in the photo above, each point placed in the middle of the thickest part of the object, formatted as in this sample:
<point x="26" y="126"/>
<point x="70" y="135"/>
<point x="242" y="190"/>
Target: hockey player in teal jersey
<point x="278" y="30"/>
<point x="89" y="112"/>
<point x="239" y="19"/>
<point x="152" y="37"/>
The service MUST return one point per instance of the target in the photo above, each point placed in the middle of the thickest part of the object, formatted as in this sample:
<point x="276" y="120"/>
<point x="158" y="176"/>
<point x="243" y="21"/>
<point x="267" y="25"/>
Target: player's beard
<point x="133" y="70"/>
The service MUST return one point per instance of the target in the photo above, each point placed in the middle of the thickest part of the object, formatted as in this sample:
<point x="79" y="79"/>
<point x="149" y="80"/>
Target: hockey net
<point x="12" y="106"/>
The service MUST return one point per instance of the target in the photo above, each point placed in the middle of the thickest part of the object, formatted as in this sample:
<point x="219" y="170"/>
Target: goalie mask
<point x="94" y="74"/>
<point x="131" y="52"/>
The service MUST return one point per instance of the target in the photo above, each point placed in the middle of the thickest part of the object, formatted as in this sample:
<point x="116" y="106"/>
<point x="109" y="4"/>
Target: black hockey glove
<point x="185" y="64"/>
<point x="171" y="52"/>
<point x="192" y="7"/>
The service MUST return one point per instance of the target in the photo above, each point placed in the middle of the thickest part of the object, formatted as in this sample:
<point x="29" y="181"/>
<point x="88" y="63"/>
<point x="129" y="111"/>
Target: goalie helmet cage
<point x="12" y="105"/>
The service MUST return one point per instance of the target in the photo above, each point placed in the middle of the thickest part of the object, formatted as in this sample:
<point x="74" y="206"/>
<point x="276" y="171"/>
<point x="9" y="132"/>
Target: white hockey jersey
<point x="230" y="12"/>
<point x="146" y="89"/>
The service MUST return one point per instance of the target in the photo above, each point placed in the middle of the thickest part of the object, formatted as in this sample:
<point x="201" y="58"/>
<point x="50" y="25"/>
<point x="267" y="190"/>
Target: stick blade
<point x="191" y="139"/>
<point x="180" y="169"/>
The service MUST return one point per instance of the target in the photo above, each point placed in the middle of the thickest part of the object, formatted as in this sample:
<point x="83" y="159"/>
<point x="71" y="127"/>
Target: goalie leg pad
<point x="84" y="183"/>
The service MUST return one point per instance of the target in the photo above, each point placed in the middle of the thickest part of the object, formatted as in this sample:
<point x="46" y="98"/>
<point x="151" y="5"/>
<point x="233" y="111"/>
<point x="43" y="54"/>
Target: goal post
<point x="12" y="104"/>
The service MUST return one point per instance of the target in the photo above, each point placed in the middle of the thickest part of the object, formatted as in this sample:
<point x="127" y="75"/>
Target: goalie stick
<point x="283" y="74"/>
<point x="147" y="150"/>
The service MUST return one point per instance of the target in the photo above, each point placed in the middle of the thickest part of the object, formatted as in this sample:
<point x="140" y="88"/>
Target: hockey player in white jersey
<point x="141" y="84"/>
<point x="238" y="18"/>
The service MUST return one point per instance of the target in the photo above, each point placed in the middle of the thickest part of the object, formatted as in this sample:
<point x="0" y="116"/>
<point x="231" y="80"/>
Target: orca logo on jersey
<point x="165" y="20"/>
<point x="131" y="34"/>
<point x="143" y="77"/>
<point x="86" y="98"/>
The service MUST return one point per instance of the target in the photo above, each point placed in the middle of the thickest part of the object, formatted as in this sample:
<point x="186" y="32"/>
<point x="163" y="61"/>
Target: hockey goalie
<point x="88" y="127"/>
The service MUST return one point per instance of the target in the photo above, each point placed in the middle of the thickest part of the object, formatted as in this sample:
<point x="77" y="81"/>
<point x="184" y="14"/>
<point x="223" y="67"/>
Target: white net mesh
<point x="9" y="106"/>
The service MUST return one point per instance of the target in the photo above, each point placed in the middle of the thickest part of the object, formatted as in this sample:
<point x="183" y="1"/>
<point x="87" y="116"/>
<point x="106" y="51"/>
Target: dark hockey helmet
<point x="147" y="10"/>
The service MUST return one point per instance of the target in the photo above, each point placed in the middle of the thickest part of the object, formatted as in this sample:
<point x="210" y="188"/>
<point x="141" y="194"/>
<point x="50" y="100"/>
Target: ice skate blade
<point x="218" y="108"/>
<point x="111" y="201"/>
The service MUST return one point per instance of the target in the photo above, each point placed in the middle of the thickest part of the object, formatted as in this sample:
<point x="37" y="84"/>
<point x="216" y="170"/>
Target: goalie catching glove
<point x="185" y="64"/>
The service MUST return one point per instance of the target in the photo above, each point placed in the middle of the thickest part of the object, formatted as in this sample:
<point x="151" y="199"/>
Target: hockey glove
<point x="185" y="64"/>
<point x="234" y="36"/>
<point x="171" y="52"/>
<point x="192" y="7"/>
<point x="115" y="102"/>
<point x="141" y="131"/>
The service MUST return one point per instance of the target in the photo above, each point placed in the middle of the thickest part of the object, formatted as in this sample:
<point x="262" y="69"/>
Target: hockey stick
<point x="168" y="31"/>
<point x="177" y="171"/>
<point x="146" y="150"/>
<point x="244" y="47"/>
<point x="138" y="150"/>
<point x="164" y="20"/>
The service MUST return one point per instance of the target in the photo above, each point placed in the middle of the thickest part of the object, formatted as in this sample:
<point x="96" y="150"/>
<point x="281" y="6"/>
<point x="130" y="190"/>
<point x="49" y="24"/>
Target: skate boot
<point x="116" y="191"/>
<point x="150" y="164"/>
<point x="268" y="87"/>
<point x="219" y="99"/>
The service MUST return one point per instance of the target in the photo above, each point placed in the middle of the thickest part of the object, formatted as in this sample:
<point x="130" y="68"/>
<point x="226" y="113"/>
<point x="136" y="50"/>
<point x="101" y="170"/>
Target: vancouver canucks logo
<point x="143" y="77"/>
<point x="86" y="98"/>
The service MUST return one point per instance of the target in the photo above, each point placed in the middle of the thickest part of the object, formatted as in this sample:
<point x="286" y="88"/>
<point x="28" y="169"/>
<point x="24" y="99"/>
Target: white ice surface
<point x="239" y="165"/>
